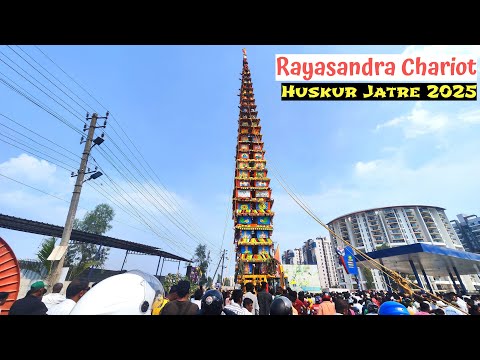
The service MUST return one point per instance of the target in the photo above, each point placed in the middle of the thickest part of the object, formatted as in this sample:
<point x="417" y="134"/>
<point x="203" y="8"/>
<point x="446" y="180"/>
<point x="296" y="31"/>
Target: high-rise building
<point x="370" y="230"/>
<point x="292" y="257"/>
<point x="320" y="252"/>
<point x="252" y="201"/>
<point x="298" y="257"/>
<point x="467" y="228"/>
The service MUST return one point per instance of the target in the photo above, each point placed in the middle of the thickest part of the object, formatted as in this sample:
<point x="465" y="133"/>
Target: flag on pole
<point x="279" y="269"/>
<point x="277" y="254"/>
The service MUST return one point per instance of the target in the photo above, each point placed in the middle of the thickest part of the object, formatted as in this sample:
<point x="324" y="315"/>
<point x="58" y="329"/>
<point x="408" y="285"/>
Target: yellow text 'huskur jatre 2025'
<point x="379" y="91"/>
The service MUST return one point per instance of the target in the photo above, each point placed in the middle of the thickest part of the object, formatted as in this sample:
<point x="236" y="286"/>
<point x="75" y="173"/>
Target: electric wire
<point x="40" y="88"/>
<point x="59" y="198"/>
<point x="180" y="213"/>
<point x="37" y="134"/>
<point x="44" y="108"/>
<point x="37" y="102"/>
<point x="86" y="110"/>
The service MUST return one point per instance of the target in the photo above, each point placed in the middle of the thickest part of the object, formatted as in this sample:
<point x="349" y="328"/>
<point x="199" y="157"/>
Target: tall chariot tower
<point x="252" y="195"/>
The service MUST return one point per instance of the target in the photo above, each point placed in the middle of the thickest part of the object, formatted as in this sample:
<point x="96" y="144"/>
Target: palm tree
<point x="41" y="265"/>
<point x="46" y="248"/>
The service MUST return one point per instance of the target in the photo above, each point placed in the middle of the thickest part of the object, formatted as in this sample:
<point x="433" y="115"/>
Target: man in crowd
<point x="54" y="297"/>
<point x="249" y="294"/>
<point x="264" y="300"/>
<point x="183" y="305"/>
<point x="75" y="291"/>
<point x="172" y="295"/>
<point x="32" y="303"/>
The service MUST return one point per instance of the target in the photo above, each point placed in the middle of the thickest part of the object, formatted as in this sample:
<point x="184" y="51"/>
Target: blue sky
<point x="179" y="106"/>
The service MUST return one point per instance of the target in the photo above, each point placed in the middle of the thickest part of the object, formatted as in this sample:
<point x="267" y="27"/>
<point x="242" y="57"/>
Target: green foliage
<point x="81" y="256"/>
<point x="96" y="221"/>
<point x="44" y="251"/>
<point x="172" y="279"/>
<point x="202" y="260"/>
<point x="385" y="245"/>
<point x="226" y="281"/>
<point x="367" y="273"/>
<point x="42" y="265"/>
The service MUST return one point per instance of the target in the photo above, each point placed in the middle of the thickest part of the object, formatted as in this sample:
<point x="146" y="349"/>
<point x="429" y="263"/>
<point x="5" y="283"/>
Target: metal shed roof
<point x="40" y="228"/>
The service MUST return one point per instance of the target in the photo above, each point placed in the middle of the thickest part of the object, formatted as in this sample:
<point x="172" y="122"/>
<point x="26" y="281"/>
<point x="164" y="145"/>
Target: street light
<point x="94" y="176"/>
<point x="98" y="141"/>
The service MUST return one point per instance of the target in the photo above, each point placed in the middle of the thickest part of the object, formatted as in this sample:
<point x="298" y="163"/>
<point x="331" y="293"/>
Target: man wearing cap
<point x="32" y="303"/>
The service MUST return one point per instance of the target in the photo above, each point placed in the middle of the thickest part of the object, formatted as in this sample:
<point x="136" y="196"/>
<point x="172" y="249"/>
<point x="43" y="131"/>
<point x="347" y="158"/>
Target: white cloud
<point x="362" y="168"/>
<point x="470" y="117"/>
<point x="447" y="180"/>
<point x="25" y="186"/>
<point x="419" y="122"/>
<point x="27" y="167"/>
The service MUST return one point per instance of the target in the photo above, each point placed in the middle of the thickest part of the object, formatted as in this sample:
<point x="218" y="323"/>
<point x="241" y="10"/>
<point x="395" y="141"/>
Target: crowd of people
<point x="260" y="300"/>
<point x="144" y="294"/>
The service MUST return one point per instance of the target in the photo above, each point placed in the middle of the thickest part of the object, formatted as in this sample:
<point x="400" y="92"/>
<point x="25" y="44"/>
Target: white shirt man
<point x="54" y="297"/>
<point x="448" y="309"/>
<point x="237" y="309"/>
<point x="64" y="308"/>
<point x="75" y="291"/>
<point x="236" y="303"/>
<point x="249" y="294"/>
<point x="462" y="304"/>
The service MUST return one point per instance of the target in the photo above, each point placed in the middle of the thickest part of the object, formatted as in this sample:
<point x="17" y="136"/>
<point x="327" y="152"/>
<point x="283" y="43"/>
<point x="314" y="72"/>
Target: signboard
<point x="303" y="277"/>
<point x="346" y="258"/>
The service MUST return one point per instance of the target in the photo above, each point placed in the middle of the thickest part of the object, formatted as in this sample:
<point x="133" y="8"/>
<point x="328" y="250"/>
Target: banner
<point x="303" y="277"/>
<point x="350" y="262"/>
<point x="341" y="257"/>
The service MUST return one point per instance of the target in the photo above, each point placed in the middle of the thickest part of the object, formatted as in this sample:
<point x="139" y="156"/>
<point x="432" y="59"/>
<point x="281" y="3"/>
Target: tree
<point x="172" y="279"/>
<point x="367" y="273"/>
<point x="226" y="281"/>
<point x="42" y="266"/>
<point x="202" y="259"/>
<point x="81" y="256"/>
<point x="44" y="251"/>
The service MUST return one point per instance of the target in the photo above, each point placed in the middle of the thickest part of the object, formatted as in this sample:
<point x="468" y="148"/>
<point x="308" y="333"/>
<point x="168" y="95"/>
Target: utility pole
<point x="57" y="265"/>
<point x="221" y="273"/>
<point x="220" y="261"/>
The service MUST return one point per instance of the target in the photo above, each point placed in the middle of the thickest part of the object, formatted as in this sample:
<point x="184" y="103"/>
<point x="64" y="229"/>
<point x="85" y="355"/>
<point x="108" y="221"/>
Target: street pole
<point x="221" y="273"/>
<point x="67" y="230"/>
<point x="215" y="273"/>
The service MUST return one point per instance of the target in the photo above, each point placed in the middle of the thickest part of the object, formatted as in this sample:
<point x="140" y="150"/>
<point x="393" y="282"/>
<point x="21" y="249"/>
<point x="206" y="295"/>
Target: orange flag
<point x="279" y="269"/>
<point x="277" y="254"/>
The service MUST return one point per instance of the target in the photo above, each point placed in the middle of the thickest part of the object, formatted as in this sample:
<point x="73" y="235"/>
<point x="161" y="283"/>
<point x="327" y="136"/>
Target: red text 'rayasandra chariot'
<point x="256" y="260"/>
